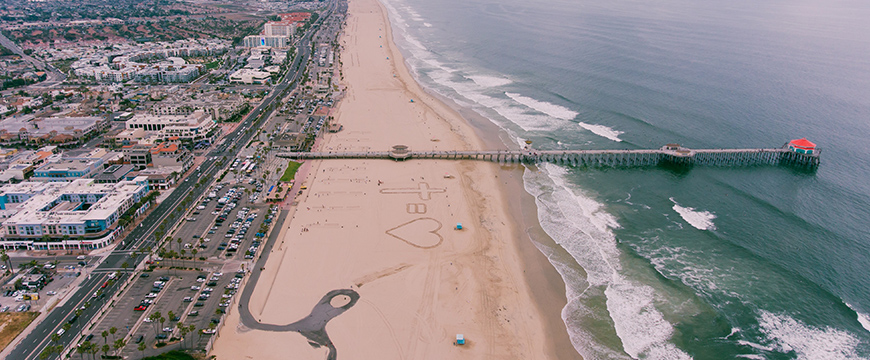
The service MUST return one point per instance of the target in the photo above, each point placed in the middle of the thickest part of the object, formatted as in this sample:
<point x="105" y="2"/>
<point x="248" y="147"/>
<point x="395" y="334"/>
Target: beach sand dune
<point x="387" y="231"/>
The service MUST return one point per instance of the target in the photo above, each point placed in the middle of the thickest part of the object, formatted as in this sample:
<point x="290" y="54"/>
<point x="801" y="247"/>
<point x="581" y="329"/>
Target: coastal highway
<point x="53" y="75"/>
<point x="142" y="236"/>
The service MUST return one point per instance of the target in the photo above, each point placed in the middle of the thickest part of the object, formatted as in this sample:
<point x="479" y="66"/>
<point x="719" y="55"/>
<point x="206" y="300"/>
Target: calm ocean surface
<point x="710" y="263"/>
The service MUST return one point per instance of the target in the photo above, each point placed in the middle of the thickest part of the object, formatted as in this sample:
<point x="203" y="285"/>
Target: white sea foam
<point x="556" y="111"/>
<point x="750" y="356"/>
<point x="602" y="131"/>
<point x="489" y="81"/>
<point x="427" y="24"/>
<point x="863" y="318"/>
<point x="582" y="227"/>
<point x="755" y="346"/>
<point x="701" y="220"/>
<point x="787" y="334"/>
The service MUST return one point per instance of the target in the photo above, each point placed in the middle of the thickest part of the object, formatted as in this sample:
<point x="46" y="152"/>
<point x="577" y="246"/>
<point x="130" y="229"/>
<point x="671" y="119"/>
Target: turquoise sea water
<point x="709" y="263"/>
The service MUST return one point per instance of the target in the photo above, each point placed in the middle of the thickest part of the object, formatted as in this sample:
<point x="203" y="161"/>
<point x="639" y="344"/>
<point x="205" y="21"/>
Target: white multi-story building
<point x="80" y="214"/>
<point x="194" y="126"/>
<point x="280" y="41"/>
<point x="279" y="28"/>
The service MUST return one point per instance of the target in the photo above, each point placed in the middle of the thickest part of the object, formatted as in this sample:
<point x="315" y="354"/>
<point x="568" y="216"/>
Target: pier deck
<point x="670" y="154"/>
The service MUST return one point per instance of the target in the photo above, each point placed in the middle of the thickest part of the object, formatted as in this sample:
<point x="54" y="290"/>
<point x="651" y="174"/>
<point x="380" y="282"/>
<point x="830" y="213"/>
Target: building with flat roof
<point x="78" y="214"/>
<point x="280" y="28"/>
<point x="250" y="76"/>
<point x="280" y="41"/>
<point x="113" y="174"/>
<point x="195" y="126"/>
<point x="56" y="130"/>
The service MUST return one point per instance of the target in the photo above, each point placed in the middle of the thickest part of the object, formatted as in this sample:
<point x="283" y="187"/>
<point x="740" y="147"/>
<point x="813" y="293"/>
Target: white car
<point x="51" y="293"/>
<point x="209" y="331"/>
<point x="148" y="320"/>
<point x="151" y="295"/>
<point x="167" y="329"/>
<point x="218" y="274"/>
<point x="194" y="288"/>
<point x="200" y="280"/>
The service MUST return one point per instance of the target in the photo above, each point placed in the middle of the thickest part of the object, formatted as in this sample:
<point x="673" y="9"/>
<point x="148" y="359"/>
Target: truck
<point x="212" y="194"/>
<point x="222" y="200"/>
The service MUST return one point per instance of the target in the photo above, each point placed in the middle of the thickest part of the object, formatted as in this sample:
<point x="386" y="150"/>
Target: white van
<point x="80" y="257"/>
<point x="60" y="332"/>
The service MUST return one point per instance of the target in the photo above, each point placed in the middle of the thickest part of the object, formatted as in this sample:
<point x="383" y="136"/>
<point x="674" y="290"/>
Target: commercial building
<point x="78" y="214"/>
<point x="195" y="126"/>
<point x="250" y="76"/>
<point x="58" y="130"/>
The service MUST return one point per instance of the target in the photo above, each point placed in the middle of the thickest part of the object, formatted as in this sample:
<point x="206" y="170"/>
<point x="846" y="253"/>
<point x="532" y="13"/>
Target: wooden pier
<point x="671" y="154"/>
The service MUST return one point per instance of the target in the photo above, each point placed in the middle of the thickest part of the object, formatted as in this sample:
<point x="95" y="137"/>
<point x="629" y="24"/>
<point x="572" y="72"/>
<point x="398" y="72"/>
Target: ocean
<point x="706" y="263"/>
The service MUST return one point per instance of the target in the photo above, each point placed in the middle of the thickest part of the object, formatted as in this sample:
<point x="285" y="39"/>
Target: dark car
<point x="140" y="338"/>
<point x="82" y="263"/>
<point x="199" y="304"/>
<point x="215" y="321"/>
<point x="145" y="275"/>
<point x="160" y="336"/>
<point x="164" y="278"/>
<point x="89" y="337"/>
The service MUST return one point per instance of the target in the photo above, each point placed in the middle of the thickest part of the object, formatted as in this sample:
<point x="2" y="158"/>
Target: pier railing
<point x="670" y="154"/>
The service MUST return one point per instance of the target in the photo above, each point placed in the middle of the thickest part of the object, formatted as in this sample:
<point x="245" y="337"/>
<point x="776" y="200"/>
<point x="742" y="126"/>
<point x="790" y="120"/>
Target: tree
<point x="182" y="257"/>
<point x="125" y="265"/>
<point x="106" y="349"/>
<point x="113" y="330"/>
<point x="194" y="251"/>
<point x="119" y="344"/>
<point x="179" y="242"/>
<point x="85" y="348"/>
<point x="104" y="334"/>
<point x="6" y="260"/>
<point x="171" y="315"/>
<point x="142" y="348"/>
<point x="154" y="317"/>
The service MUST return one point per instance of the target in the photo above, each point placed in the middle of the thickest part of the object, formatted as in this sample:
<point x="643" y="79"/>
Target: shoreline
<point x="547" y="286"/>
<point x="416" y="294"/>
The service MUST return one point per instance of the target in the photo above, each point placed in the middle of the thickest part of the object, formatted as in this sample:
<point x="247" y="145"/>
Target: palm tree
<point x="194" y="251"/>
<point x="179" y="242"/>
<point x="154" y="317"/>
<point x="113" y="330"/>
<point x="182" y="257"/>
<point x="106" y="349"/>
<point x="5" y="258"/>
<point x="142" y="348"/>
<point x="85" y="348"/>
<point x="119" y="344"/>
<point x="104" y="334"/>
<point x="125" y="265"/>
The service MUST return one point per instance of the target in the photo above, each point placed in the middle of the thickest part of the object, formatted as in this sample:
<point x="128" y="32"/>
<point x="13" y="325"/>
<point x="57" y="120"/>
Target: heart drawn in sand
<point x="421" y="233"/>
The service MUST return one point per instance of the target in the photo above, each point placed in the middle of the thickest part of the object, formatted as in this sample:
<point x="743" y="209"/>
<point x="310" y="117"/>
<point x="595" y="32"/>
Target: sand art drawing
<point x="423" y="190"/>
<point x="313" y="326"/>
<point x="421" y="233"/>
<point x="415" y="208"/>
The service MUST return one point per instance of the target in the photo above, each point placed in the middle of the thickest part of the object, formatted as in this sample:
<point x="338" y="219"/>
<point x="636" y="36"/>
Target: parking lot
<point x="180" y="296"/>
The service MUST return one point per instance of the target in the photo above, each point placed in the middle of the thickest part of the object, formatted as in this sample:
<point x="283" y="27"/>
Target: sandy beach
<point x="386" y="231"/>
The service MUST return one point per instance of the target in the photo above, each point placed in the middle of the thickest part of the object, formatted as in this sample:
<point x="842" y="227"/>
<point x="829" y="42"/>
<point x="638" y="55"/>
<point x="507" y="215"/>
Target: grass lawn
<point x="172" y="355"/>
<point x="12" y="323"/>
<point x="291" y="171"/>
